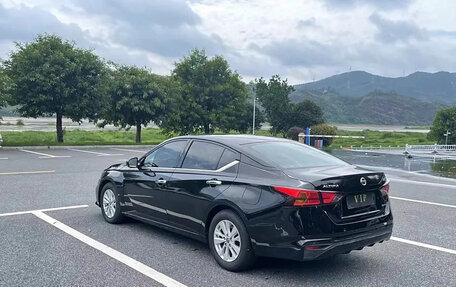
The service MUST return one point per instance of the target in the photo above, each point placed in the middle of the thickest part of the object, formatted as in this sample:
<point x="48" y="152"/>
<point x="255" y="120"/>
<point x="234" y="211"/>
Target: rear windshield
<point x="286" y="155"/>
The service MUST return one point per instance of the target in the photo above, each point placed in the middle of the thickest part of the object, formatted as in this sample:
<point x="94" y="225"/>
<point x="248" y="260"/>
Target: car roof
<point x="237" y="142"/>
<point x="233" y="140"/>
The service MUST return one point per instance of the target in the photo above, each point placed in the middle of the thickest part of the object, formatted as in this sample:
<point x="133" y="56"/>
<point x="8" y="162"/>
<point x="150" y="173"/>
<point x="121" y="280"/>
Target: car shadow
<point x="337" y="263"/>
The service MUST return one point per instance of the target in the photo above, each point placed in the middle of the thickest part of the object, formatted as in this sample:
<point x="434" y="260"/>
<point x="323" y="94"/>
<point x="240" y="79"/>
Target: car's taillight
<point x="385" y="188"/>
<point x="301" y="196"/>
<point x="329" y="197"/>
<point x="304" y="197"/>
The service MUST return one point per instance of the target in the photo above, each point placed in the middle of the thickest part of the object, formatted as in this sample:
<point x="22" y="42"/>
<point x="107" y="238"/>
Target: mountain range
<point x="359" y="97"/>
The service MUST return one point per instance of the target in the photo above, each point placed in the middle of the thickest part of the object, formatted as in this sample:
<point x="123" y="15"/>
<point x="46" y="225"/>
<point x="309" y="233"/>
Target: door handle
<point x="213" y="182"/>
<point x="161" y="181"/>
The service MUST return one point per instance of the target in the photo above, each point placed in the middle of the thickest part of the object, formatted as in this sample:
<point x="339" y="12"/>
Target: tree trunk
<point x="138" y="133"/>
<point x="58" y="125"/>
<point x="274" y="131"/>
<point x="206" y="129"/>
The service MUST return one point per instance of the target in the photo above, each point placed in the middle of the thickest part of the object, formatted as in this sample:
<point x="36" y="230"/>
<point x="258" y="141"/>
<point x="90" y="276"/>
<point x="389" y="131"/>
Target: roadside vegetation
<point x="380" y="139"/>
<point x="152" y="136"/>
<point x="443" y="129"/>
<point x="52" y="77"/>
<point x="79" y="137"/>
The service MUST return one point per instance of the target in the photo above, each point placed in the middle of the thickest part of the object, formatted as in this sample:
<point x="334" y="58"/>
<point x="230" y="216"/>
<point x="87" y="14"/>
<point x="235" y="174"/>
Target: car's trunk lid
<point x="344" y="178"/>
<point x="360" y="190"/>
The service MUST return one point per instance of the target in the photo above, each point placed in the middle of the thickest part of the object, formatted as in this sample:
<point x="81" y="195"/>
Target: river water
<point x="445" y="167"/>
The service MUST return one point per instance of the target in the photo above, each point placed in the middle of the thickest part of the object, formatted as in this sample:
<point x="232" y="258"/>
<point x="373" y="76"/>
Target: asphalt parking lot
<point x="52" y="234"/>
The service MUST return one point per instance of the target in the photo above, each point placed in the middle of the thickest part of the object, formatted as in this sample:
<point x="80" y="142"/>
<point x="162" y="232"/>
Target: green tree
<point x="211" y="95"/>
<point x="293" y="133"/>
<point x="136" y="97"/>
<point x="5" y="85"/>
<point x="243" y="119"/>
<point x="273" y="96"/>
<point x="305" y="114"/>
<point x="51" y="76"/>
<point x="445" y="120"/>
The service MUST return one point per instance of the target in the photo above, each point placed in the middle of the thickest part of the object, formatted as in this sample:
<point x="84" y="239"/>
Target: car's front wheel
<point x="229" y="242"/>
<point x="110" y="207"/>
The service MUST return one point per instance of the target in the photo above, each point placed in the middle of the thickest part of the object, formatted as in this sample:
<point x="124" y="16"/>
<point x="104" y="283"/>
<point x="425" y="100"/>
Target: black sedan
<point x="250" y="196"/>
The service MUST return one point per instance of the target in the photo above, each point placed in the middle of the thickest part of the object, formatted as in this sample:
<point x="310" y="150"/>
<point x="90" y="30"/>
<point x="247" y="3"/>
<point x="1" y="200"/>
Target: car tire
<point x="110" y="206"/>
<point x="225" y="246"/>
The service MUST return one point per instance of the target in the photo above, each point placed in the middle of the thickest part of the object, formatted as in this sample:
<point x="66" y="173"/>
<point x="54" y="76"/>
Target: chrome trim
<point x="360" y="214"/>
<point x="161" y="181"/>
<point x="214" y="182"/>
<point x="227" y="166"/>
<point x="223" y="168"/>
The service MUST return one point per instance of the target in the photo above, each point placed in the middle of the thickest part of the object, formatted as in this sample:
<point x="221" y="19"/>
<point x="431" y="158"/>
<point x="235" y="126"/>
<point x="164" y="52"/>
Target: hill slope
<point x="428" y="87"/>
<point x="374" y="108"/>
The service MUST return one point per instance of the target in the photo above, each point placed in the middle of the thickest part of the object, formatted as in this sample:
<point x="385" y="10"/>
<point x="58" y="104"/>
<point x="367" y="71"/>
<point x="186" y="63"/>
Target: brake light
<point x="301" y="196"/>
<point x="329" y="197"/>
<point x="304" y="197"/>
<point x="385" y="188"/>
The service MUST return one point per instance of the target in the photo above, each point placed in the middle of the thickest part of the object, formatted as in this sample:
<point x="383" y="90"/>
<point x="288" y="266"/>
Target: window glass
<point x="292" y="155"/>
<point x="227" y="157"/>
<point x="202" y="155"/>
<point x="166" y="156"/>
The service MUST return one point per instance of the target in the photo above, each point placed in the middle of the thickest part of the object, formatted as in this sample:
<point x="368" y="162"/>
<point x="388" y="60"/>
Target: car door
<point x="145" y="188"/>
<point x="206" y="171"/>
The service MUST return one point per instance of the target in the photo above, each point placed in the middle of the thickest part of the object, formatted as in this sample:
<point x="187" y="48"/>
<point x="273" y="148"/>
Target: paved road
<point x="76" y="247"/>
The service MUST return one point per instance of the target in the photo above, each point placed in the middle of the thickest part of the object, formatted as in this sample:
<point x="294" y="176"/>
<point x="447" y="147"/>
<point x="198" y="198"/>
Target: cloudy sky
<point x="302" y="40"/>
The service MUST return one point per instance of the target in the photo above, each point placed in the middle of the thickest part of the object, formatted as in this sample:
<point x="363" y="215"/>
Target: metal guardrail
<point x="376" y="147"/>
<point x="435" y="148"/>
<point x="430" y="148"/>
<point x="303" y="136"/>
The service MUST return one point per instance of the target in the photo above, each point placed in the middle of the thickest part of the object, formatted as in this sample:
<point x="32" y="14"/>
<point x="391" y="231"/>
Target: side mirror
<point x="132" y="162"/>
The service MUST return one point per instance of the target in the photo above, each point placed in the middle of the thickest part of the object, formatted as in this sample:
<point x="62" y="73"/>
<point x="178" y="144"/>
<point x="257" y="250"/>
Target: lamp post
<point x="253" y="123"/>
<point x="446" y="137"/>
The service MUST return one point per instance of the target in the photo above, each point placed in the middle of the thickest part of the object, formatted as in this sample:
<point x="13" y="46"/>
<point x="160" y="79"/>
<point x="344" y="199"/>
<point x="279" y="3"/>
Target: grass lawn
<point x="79" y="137"/>
<point x="154" y="136"/>
<point x="377" y="139"/>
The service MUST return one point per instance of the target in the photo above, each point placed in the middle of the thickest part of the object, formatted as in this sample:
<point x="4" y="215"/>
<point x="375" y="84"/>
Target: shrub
<point x="19" y="122"/>
<point x="323" y="129"/>
<point x="293" y="132"/>
<point x="387" y="135"/>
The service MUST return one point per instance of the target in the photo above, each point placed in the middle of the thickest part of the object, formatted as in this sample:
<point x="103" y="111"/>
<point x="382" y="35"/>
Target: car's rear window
<point x="286" y="155"/>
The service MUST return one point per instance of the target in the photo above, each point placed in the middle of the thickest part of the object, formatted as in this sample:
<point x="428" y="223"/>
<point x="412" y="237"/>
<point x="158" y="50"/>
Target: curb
<point x="75" y="146"/>
<point x="401" y="173"/>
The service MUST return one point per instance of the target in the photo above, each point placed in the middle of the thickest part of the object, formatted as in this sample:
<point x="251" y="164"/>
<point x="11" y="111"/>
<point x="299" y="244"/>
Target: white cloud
<point x="300" y="40"/>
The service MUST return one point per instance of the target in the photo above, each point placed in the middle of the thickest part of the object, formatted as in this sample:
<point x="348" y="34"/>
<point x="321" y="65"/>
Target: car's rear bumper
<point x="319" y="248"/>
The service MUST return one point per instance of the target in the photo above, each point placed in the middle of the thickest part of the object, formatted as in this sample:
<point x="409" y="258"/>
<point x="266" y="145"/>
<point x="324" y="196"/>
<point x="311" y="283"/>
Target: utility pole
<point x="446" y="137"/>
<point x="253" y="123"/>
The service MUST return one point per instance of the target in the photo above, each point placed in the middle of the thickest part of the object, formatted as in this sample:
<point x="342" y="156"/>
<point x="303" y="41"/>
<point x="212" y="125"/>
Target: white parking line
<point x="423" y="183"/>
<point x="45" y="155"/>
<point x="94" y="152"/>
<point x="3" y="158"/>
<point x="424" y="202"/>
<point x="130" y="150"/>
<point x="26" y="172"/>
<point x="425" y="245"/>
<point x="42" y="210"/>
<point x="132" y="263"/>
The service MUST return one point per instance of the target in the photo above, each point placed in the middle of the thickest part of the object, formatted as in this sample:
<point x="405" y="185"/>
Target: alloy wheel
<point x="227" y="240"/>
<point x="109" y="203"/>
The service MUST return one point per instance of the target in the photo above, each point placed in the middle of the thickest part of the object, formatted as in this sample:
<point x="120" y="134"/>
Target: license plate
<point x="360" y="200"/>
